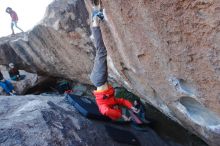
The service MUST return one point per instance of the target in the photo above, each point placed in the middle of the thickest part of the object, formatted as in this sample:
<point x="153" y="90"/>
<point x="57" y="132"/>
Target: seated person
<point x="6" y="85"/>
<point x="14" y="73"/>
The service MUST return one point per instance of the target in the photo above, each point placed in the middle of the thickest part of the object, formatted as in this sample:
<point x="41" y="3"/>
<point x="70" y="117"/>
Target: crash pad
<point x="86" y="106"/>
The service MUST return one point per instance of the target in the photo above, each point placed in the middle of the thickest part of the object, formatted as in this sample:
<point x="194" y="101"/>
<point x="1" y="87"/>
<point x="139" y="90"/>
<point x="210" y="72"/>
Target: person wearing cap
<point x="14" y="72"/>
<point x="6" y="85"/>
<point x="105" y="98"/>
<point x="14" y="19"/>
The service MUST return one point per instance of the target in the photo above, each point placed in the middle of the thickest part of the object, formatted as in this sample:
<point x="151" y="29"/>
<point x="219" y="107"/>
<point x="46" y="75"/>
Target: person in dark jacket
<point x="6" y="85"/>
<point x="14" y="72"/>
<point x="14" y="19"/>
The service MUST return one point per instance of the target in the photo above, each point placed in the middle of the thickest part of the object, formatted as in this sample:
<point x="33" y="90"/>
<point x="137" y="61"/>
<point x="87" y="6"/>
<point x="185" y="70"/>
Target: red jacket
<point x="14" y="16"/>
<point x="13" y="72"/>
<point x="106" y="102"/>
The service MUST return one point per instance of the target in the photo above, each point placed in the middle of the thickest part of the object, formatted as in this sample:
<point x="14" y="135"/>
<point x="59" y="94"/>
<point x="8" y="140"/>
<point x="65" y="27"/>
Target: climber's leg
<point x="99" y="73"/>
<point x="12" y="28"/>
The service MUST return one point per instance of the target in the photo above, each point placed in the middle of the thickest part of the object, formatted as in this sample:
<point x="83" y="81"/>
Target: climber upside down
<point x="106" y="101"/>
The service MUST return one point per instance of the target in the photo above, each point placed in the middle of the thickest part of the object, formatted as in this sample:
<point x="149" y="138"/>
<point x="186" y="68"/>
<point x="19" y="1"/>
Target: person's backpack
<point x="63" y="86"/>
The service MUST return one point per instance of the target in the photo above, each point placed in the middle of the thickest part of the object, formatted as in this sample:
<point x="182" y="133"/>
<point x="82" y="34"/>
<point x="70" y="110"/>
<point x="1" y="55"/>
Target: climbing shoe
<point x="98" y="13"/>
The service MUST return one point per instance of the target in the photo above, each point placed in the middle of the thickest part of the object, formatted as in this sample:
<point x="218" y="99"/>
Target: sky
<point x="29" y="12"/>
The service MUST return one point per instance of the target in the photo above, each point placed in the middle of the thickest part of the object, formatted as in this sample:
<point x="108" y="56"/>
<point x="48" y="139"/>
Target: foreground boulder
<point x="165" y="52"/>
<point x="48" y="120"/>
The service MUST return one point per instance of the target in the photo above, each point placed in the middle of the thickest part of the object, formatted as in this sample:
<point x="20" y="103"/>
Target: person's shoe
<point x="12" y="94"/>
<point x="98" y="13"/>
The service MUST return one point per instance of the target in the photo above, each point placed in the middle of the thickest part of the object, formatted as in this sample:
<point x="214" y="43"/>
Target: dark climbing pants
<point x="99" y="73"/>
<point x="7" y="86"/>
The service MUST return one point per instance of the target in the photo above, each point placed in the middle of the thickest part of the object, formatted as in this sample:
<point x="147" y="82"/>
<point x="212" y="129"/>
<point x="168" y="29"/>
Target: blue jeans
<point x="99" y="73"/>
<point x="7" y="86"/>
<point x="15" y="78"/>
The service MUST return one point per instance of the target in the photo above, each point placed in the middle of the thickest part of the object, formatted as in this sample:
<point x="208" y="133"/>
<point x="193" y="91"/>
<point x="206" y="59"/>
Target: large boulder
<point x="167" y="52"/>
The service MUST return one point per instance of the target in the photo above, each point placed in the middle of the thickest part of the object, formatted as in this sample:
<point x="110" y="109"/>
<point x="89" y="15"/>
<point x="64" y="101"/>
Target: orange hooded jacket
<point x="106" y="102"/>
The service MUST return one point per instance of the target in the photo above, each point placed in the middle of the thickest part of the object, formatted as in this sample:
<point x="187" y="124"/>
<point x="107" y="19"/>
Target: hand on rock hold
<point x="135" y="110"/>
<point x="126" y="118"/>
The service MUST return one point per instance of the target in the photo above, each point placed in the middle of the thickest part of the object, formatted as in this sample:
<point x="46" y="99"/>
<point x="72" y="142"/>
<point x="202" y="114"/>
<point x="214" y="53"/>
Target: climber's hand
<point x="135" y="110"/>
<point x="126" y="118"/>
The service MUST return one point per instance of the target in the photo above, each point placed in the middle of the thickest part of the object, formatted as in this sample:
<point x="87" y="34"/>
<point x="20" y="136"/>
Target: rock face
<point x="165" y="52"/>
<point x="168" y="53"/>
